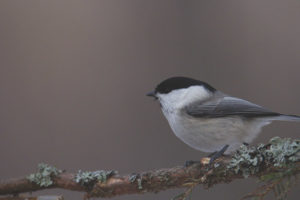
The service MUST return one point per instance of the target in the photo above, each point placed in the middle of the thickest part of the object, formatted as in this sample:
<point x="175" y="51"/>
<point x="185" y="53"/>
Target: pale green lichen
<point x="44" y="175"/>
<point x="139" y="180"/>
<point x="87" y="178"/>
<point x="283" y="151"/>
<point x="216" y="165"/>
<point x="133" y="177"/>
<point x="246" y="160"/>
<point x="136" y="177"/>
<point x="279" y="152"/>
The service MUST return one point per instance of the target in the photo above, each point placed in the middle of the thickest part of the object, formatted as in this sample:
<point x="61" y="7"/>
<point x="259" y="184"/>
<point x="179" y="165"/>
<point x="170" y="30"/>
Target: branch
<point x="278" y="157"/>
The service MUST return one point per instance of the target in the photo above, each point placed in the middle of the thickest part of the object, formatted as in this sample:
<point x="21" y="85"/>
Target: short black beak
<point x="151" y="94"/>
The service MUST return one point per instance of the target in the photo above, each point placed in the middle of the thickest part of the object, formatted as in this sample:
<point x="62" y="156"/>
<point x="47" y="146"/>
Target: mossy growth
<point x="89" y="178"/>
<point x="44" y="176"/>
<point x="279" y="152"/>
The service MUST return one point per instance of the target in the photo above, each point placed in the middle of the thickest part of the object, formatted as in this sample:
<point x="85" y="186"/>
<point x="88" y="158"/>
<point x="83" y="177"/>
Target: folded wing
<point x="229" y="106"/>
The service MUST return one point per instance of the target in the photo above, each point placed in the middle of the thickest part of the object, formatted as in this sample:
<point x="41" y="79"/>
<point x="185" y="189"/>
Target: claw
<point x="190" y="162"/>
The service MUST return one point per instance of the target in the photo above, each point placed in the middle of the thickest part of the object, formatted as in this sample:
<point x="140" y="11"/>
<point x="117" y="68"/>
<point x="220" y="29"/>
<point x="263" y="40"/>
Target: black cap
<point x="174" y="83"/>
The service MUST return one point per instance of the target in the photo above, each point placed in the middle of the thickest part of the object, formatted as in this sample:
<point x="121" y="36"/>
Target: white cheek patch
<point x="179" y="98"/>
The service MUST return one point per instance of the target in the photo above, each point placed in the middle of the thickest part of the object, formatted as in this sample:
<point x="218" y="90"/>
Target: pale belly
<point x="212" y="134"/>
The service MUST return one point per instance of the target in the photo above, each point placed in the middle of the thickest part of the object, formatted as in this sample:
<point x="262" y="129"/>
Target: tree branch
<point x="109" y="183"/>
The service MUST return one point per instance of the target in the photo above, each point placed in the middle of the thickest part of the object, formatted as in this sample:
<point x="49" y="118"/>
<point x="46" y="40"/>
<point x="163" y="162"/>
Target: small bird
<point x="209" y="120"/>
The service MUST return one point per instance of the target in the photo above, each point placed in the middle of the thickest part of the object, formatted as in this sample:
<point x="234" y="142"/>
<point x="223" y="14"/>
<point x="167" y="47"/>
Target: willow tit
<point x="209" y="120"/>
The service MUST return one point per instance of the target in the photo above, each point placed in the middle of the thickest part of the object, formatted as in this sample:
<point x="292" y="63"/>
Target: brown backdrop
<point x="73" y="78"/>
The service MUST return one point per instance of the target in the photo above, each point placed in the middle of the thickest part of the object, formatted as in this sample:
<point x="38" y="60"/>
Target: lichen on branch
<point x="89" y="178"/>
<point x="279" y="152"/>
<point x="44" y="175"/>
<point x="273" y="163"/>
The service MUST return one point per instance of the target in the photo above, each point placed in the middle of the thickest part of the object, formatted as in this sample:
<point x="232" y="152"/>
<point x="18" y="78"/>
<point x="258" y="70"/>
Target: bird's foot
<point x="212" y="157"/>
<point x="190" y="162"/>
<point x="217" y="154"/>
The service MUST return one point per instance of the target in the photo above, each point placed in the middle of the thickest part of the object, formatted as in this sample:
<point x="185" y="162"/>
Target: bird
<point x="209" y="120"/>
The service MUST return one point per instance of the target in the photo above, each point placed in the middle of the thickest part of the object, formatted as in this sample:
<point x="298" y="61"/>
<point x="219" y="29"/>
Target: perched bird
<point x="209" y="120"/>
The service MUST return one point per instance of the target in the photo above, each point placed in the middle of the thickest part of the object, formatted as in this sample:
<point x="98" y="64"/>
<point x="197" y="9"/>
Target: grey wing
<point x="229" y="106"/>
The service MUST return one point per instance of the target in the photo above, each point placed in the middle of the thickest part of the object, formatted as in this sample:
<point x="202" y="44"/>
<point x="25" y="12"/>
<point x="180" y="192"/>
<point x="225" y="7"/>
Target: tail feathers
<point x="294" y="118"/>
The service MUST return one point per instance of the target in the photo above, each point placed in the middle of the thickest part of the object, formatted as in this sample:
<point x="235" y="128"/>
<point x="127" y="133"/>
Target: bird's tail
<point x="293" y="118"/>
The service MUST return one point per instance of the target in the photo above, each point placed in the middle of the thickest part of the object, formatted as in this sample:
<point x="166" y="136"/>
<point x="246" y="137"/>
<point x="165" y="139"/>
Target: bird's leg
<point x="217" y="154"/>
<point x="213" y="153"/>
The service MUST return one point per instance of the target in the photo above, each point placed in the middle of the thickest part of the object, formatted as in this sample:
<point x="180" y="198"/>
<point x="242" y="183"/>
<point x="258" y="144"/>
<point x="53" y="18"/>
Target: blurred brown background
<point x="73" y="78"/>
